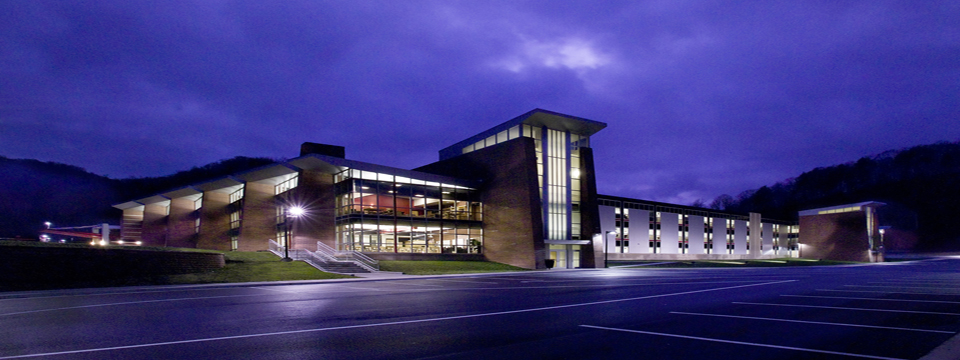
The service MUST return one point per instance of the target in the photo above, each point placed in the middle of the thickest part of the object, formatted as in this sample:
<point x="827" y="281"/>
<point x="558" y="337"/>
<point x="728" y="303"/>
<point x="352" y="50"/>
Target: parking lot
<point x="887" y="311"/>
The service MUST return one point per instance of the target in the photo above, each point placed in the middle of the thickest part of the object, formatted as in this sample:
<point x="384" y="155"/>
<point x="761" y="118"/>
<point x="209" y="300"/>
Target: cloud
<point x="569" y="53"/>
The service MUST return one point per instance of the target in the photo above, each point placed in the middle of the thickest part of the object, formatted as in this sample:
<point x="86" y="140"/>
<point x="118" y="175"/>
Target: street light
<point x="293" y="212"/>
<point x="48" y="224"/>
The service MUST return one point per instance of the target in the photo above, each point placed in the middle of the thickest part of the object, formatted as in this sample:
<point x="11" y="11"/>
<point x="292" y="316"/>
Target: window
<point x="286" y="185"/>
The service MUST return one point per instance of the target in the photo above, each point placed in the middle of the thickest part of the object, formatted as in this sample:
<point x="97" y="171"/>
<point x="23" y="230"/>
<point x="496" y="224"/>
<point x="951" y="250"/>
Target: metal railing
<point x="352" y="256"/>
<point x="275" y="248"/>
<point x="326" y="255"/>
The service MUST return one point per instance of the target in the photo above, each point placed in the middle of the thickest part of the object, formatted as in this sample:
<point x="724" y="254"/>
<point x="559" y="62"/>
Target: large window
<point x="379" y="212"/>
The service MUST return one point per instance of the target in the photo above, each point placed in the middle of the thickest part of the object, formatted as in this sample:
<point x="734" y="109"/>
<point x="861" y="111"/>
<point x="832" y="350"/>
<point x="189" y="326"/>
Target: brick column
<point x="214" y="222"/>
<point x="259" y="217"/>
<point x="181" y="223"/>
<point x="154" y="231"/>
<point x="131" y="226"/>
<point x="316" y="193"/>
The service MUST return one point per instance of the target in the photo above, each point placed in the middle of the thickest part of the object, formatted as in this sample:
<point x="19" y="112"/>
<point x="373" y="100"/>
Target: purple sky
<point x="701" y="97"/>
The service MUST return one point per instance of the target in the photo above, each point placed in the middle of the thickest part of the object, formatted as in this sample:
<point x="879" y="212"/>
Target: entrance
<point x="565" y="256"/>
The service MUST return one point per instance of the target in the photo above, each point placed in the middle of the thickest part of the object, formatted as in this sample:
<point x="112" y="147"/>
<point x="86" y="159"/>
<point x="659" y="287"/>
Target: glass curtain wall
<point x="379" y="212"/>
<point x="560" y="188"/>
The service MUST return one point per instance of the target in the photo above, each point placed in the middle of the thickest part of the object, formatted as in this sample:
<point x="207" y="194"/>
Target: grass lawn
<point x="725" y="263"/>
<point x="252" y="266"/>
<point x="240" y="267"/>
<point x="445" y="267"/>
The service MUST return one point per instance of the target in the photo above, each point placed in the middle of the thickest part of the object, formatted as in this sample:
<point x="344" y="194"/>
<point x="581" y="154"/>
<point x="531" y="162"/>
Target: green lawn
<point x="240" y="267"/>
<point x="252" y="266"/>
<point x="725" y="263"/>
<point x="445" y="267"/>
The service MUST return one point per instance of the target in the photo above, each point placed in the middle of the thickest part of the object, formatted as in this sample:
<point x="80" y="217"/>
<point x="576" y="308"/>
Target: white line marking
<point x="891" y="292"/>
<point x="814" y="322"/>
<point x="465" y="281"/>
<point x="389" y="323"/>
<point x="873" y="299"/>
<point x="128" y="303"/>
<point x="849" y="308"/>
<point x="898" y="287"/>
<point x="741" y="343"/>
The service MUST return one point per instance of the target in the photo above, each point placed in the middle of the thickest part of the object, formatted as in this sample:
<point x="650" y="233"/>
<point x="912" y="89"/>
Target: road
<point x="885" y="311"/>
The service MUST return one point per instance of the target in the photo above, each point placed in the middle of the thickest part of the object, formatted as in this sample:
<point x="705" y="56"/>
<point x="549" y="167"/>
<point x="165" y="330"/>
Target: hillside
<point x="32" y="192"/>
<point x="921" y="186"/>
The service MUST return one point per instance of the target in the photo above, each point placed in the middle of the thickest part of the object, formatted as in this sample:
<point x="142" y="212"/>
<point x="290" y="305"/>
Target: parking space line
<point x="873" y="299"/>
<point x="741" y="343"/>
<point x="392" y="323"/>
<point x="898" y="287"/>
<point x="892" y="292"/>
<point x="848" y="308"/>
<point x="813" y="322"/>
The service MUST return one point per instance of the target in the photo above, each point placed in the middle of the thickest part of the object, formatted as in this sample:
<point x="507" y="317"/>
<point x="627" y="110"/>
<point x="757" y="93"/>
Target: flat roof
<point x="687" y="208"/>
<point x="859" y="205"/>
<point x="333" y="165"/>
<point x="535" y="117"/>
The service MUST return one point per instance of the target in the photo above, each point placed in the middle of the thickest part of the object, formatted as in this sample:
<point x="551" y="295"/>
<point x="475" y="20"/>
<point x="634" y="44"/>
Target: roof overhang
<point x="860" y="206"/>
<point x="535" y="117"/>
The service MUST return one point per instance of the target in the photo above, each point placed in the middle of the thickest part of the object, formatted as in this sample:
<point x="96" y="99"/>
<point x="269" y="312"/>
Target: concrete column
<point x="181" y="223"/>
<point x="719" y="236"/>
<point x="669" y="233"/>
<point x="756" y="245"/>
<point x="695" y="235"/>
<point x="739" y="237"/>
<point x="154" y="231"/>
<point x="259" y="217"/>
<point x="214" y="222"/>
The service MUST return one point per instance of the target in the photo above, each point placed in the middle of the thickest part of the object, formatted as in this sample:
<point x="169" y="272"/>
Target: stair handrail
<point x="357" y="257"/>
<point x="274" y="247"/>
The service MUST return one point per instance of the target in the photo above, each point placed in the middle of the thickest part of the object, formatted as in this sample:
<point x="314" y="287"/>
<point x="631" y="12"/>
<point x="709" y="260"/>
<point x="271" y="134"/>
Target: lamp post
<point x="606" y="247"/>
<point x="293" y="213"/>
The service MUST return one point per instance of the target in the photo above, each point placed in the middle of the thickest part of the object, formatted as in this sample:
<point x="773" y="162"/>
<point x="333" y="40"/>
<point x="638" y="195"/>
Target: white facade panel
<point x="608" y="222"/>
<point x="639" y="232"/>
<point x="740" y="237"/>
<point x="695" y="237"/>
<point x="767" y="239"/>
<point x="719" y="236"/>
<point x="669" y="233"/>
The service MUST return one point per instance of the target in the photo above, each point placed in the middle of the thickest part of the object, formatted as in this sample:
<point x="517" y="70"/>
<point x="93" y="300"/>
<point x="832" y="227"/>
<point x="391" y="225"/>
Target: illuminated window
<point x="286" y="185"/>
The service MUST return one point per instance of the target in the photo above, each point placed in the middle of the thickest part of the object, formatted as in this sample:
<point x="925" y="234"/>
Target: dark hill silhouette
<point x="32" y="192"/>
<point x="921" y="186"/>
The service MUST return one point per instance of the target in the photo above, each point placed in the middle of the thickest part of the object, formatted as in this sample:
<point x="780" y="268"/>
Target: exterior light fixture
<point x="48" y="224"/>
<point x="293" y="213"/>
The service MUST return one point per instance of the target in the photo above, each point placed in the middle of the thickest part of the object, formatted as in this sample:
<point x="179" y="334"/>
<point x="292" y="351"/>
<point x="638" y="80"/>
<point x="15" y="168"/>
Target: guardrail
<point x="352" y="256"/>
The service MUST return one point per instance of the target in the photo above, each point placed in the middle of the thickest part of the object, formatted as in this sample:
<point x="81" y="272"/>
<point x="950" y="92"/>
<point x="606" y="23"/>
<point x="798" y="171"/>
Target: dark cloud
<point x="701" y="97"/>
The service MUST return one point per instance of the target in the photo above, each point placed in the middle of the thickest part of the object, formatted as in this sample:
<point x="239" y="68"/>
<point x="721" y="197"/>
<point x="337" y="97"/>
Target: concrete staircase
<point x="327" y="261"/>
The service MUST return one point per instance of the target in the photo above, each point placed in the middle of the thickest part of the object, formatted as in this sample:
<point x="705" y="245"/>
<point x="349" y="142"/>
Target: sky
<point x="701" y="98"/>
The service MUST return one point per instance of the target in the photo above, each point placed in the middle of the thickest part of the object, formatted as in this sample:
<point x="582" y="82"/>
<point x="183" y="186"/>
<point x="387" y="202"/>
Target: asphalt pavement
<point x="878" y="311"/>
